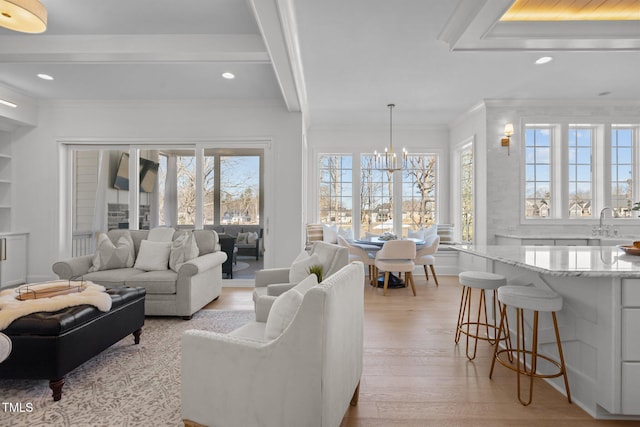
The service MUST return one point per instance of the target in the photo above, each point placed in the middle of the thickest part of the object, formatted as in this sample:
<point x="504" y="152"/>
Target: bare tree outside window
<point x="466" y="193"/>
<point x="622" y="171"/>
<point x="419" y="191"/>
<point x="376" y="197"/>
<point x="186" y="166"/>
<point x="240" y="189"/>
<point x="336" y="198"/>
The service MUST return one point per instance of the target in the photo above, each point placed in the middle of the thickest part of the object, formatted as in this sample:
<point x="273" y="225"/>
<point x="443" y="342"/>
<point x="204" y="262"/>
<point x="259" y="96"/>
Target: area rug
<point x="239" y="266"/>
<point x="125" y="385"/>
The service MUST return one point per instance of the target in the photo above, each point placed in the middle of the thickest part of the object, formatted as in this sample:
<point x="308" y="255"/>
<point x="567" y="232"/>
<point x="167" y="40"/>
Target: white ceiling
<point x="340" y="62"/>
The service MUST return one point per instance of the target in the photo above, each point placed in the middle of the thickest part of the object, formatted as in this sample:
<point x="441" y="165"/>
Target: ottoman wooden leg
<point x="56" y="387"/>
<point x="136" y="336"/>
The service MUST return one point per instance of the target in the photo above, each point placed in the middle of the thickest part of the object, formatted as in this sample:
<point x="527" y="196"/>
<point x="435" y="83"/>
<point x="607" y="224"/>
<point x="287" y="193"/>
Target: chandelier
<point x="389" y="160"/>
<point x="26" y="16"/>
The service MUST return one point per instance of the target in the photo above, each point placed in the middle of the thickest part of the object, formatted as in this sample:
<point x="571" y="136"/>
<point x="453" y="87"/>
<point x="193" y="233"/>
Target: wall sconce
<point x="508" y="131"/>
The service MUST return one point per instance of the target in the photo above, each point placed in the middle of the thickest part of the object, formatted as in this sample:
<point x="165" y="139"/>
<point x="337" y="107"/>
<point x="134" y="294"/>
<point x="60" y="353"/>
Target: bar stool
<point x="529" y="298"/>
<point x="484" y="282"/>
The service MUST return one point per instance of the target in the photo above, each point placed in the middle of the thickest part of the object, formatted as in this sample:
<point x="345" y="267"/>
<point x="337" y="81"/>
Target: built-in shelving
<point x="6" y="190"/>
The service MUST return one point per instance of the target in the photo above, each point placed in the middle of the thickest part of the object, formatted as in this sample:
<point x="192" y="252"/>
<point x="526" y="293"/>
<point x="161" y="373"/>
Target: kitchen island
<point x="599" y="322"/>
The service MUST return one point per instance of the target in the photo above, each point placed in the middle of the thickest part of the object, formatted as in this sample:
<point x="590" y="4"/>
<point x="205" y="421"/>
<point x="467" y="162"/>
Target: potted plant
<point x="317" y="270"/>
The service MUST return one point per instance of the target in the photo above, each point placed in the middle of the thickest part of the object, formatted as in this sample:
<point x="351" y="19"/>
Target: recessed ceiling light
<point x="604" y="93"/>
<point x="544" y="60"/>
<point x="7" y="103"/>
<point x="228" y="76"/>
<point x="45" y="76"/>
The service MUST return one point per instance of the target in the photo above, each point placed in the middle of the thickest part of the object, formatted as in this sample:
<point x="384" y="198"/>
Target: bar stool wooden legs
<point x="529" y="298"/>
<point x="483" y="282"/>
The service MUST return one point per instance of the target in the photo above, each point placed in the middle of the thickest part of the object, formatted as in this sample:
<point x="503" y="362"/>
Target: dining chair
<point x="357" y="253"/>
<point x="397" y="255"/>
<point x="425" y="256"/>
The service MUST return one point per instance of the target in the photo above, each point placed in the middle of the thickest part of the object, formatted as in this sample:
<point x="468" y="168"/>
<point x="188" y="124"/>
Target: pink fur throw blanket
<point x="11" y="307"/>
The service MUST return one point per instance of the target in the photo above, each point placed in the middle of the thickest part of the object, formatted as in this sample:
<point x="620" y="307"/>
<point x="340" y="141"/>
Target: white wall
<point x="368" y="139"/>
<point x="36" y="161"/>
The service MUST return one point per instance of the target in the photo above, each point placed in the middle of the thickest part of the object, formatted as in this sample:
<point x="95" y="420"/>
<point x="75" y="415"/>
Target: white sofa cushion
<point x="155" y="282"/>
<point x="161" y="234"/>
<point x="300" y="268"/>
<point x="153" y="256"/>
<point x="109" y="256"/>
<point x="282" y="313"/>
<point x="183" y="249"/>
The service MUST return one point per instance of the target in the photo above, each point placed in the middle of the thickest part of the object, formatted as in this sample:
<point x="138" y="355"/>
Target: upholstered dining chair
<point x="425" y="256"/>
<point x="358" y="253"/>
<point x="397" y="255"/>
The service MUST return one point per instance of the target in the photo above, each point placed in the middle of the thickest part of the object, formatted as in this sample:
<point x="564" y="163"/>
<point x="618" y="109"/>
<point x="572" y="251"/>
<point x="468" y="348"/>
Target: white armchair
<point x="306" y="376"/>
<point x="275" y="281"/>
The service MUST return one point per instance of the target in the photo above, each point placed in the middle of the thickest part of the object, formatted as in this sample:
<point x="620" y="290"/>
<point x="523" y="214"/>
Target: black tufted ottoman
<point x="49" y="345"/>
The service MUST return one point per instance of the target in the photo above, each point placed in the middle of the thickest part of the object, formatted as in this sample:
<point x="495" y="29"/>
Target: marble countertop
<point x="592" y="261"/>
<point x="565" y="236"/>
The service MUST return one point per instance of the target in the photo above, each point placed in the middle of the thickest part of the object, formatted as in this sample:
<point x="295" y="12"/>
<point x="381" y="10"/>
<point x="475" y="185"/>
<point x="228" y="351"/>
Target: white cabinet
<point x="13" y="259"/>
<point x="630" y="346"/>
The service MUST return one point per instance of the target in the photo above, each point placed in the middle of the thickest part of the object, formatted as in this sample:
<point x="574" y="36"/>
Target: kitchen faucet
<point x="601" y="231"/>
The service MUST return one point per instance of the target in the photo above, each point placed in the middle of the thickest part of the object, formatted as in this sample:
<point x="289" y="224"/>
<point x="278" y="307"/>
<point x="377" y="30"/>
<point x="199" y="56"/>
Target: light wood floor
<point x="415" y="375"/>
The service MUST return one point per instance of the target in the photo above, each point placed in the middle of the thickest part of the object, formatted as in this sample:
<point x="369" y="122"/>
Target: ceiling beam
<point x="247" y="48"/>
<point x="277" y="25"/>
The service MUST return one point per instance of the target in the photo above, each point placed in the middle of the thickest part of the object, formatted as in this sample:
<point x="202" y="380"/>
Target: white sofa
<point x="169" y="293"/>
<point x="306" y="376"/>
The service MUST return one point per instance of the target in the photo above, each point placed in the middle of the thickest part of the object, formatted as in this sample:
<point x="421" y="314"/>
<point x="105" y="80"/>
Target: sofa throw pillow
<point x="308" y="283"/>
<point x="183" y="249"/>
<point x="282" y="312"/>
<point x="430" y="231"/>
<point x="109" y="256"/>
<point x="330" y="233"/>
<point x="242" y="238"/>
<point x="300" y="268"/>
<point x="314" y="233"/>
<point x="416" y="234"/>
<point x="252" y="238"/>
<point x="346" y="233"/>
<point x="153" y="256"/>
<point x="161" y="234"/>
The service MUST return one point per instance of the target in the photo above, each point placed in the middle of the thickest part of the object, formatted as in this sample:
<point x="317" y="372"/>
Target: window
<point x="208" y="188"/>
<point x="537" y="171"/>
<point x="579" y="180"/>
<point x="230" y="185"/>
<point x="336" y="198"/>
<point x="419" y="191"/>
<point x="573" y="171"/>
<point x="162" y="180"/>
<point x="622" y="187"/>
<point x="186" y="166"/>
<point x="367" y="198"/>
<point x="240" y="189"/>
<point x="376" y="197"/>
<point x="466" y="193"/>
